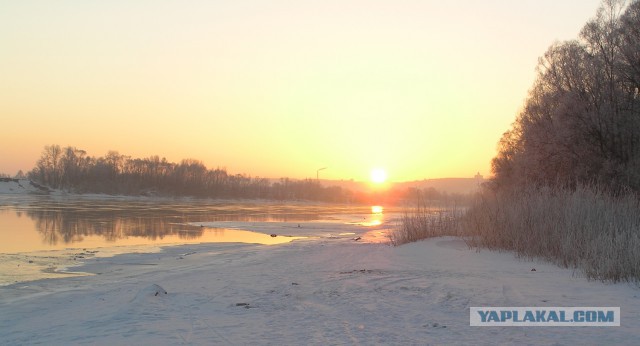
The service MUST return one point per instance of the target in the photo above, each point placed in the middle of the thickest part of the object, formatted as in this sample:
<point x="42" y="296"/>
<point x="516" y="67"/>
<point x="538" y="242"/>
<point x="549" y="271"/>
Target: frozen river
<point x="41" y="235"/>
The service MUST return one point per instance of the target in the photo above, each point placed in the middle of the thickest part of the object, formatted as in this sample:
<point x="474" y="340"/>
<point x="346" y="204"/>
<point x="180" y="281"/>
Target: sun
<point x="378" y="175"/>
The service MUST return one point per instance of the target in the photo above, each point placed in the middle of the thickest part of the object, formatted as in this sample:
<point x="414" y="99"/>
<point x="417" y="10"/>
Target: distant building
<point x="478" y="178"/>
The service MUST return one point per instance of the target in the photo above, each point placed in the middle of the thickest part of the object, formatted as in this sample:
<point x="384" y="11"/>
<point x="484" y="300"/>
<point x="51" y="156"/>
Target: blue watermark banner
<point x="545" y="316"/>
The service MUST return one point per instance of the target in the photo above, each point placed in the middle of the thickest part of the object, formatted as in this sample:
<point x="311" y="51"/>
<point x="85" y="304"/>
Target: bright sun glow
<point x="378" y="175"/>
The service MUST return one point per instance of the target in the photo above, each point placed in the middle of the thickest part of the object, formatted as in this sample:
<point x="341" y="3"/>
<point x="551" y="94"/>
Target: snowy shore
<point x="306" y="292"/>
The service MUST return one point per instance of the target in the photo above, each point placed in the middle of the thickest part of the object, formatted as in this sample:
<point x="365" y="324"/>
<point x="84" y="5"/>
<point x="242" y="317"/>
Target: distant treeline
<point x="73" y="170"/>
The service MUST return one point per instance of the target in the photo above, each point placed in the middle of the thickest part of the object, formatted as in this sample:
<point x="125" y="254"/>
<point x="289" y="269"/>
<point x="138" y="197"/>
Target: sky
<point x="275" y="88"/>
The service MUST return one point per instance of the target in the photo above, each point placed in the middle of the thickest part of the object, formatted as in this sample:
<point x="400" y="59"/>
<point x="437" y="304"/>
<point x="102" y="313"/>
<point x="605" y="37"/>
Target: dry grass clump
<point x="424" y="221"/>
<point x="585" y="228"/>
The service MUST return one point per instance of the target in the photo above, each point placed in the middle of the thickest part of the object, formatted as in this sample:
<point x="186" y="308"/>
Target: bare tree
<point x="581" y="121"/>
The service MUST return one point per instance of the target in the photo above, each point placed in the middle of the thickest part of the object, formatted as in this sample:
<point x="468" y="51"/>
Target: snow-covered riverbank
<point x="330" y="291"/>
<point x="10" y="186"/>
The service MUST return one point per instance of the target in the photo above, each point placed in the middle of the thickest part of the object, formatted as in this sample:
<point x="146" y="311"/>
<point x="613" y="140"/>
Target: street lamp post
<point x="318" y="172"/>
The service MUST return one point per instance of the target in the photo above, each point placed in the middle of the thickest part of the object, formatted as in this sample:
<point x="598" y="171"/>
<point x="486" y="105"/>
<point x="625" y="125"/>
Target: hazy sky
<point x="275" y="88"/>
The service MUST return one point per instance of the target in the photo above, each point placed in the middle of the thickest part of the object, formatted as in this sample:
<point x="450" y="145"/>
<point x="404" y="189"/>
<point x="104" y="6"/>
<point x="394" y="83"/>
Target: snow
<point x="310" y="291"/>
<point x="20" y="187"/>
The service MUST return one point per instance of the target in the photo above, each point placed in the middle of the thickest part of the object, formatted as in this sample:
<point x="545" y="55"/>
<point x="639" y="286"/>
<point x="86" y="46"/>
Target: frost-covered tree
<point x="581" y="120"/>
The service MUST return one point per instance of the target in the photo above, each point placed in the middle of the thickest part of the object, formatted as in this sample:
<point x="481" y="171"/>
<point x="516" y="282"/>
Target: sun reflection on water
<point x="376" y="216"/>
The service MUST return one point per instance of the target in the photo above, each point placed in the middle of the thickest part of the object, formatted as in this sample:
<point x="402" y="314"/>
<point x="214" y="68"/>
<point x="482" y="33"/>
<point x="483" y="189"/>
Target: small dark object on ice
<point x="242" y="304"/>
<point x="356" y="239"/>
<point x="298" y="225"/>
<point x="153" y="290"/>
<point x="158" y="290"/>
<point x="533" y="269"/>
<point x="274" y="235"/>
<point x="295" y="284"/>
